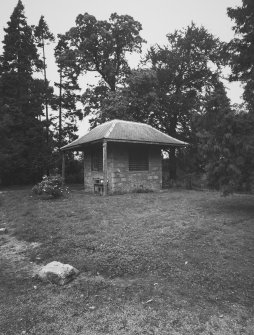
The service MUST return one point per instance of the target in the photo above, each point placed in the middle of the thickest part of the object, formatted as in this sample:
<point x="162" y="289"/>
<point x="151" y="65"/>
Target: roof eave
<point x="162" y="144"/>
<point x="147" y="142"/>
<point x="80" y="145"/>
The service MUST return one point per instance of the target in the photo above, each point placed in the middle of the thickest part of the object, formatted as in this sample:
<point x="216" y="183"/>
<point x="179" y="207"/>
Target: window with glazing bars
<point x="97" y="160"/>
<point x="138" y="159"/>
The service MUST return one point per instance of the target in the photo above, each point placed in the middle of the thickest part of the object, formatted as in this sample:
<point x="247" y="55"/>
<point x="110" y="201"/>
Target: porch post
<point x="63" y="166"/>
<point x="84" y="165"/>
<point x="105" y="168"/>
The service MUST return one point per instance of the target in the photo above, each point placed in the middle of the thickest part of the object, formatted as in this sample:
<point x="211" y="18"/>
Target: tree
<point x="242" y="49"/>
<point x="43" y="36"/>
<point x="226" y="144"/>
<point x="186" y="68"/>
<point x="22" y="140"/>
<point x="102" y="46"/>
<point x="136" y="100"/>
<point x="94" y="99"/>
<point x="68" y="99"/>
<point x="215" y="139"/>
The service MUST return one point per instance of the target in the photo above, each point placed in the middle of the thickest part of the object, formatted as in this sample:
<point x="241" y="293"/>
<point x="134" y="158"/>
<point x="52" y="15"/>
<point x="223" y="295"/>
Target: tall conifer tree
<point x="44" y="36"/>
<point x="68" y="98"/>
<point x="242" y="49"/>
<point x="22" y="139"/>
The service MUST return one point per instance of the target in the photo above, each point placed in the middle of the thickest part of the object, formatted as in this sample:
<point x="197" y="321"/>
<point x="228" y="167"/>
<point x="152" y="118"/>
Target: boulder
<point x="3" y="231"/>
<point x="57" y="273"/>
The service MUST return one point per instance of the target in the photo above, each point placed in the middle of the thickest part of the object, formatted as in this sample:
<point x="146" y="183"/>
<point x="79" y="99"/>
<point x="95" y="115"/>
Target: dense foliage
<point x="23" y="153"/>
<point x="229" y="147"/>
<point x="102" y="46"/>
<point x="170" y="88"/>
<point x="68" y="98"/>
<point x="242" y="48"/>
<point x="224" y="144"/>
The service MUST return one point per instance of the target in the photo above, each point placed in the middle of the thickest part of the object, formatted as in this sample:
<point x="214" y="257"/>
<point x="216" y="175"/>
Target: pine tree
<point x="226" y="144"/>
<point x="68" y="92"/>
<point x="44" y="36"/>
<point x="242" y="49"/>
<point x="22" y="139"/>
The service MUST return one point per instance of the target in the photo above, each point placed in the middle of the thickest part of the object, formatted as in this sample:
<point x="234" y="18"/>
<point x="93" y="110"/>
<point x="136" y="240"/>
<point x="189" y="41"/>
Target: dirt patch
<point x="13" y="252"/>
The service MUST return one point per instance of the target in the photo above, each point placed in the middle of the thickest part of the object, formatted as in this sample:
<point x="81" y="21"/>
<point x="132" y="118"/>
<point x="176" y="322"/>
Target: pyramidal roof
<point x="124" y="131"/>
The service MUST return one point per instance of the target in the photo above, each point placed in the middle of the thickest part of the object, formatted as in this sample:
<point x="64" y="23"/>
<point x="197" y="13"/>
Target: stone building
<point x="122" y="156"/>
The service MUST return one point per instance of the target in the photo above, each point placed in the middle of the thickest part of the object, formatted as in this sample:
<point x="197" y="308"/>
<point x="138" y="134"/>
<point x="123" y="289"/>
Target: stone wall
<point x="120" y="179"/>
<point x="89" y="175"/>
<point x="124" y="180"/>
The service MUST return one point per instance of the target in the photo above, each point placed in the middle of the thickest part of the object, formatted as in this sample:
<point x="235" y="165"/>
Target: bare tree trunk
<point x="45" y="88"/>
<point x="46" y="102"/>
<point x="60" y="112"/>
<point x="60" y="120"/>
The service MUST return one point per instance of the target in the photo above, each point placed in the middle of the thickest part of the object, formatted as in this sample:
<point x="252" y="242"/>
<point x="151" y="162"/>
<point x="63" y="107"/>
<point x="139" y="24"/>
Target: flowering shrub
<point x="50" y="187"/>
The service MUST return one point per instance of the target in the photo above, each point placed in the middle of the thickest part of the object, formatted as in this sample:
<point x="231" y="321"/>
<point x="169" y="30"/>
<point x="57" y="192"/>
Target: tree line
<point x="178" y="88"/>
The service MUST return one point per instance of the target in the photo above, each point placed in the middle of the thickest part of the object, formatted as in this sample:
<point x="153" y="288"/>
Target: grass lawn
<point x="169" y="263"/>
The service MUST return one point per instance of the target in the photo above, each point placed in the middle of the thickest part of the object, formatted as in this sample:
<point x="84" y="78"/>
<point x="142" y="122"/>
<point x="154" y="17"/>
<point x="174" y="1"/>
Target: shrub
<point x="50" y="187"/>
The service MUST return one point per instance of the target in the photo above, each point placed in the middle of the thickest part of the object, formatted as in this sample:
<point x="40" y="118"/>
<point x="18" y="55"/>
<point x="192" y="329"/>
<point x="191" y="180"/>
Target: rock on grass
<point x="3" y="231"/>
<point x="57" y="273"/>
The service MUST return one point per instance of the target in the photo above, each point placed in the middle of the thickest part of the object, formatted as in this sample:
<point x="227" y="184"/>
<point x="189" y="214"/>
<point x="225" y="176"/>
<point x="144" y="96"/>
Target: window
<point x="96" y="160"/>
<point x="138" y="159"/>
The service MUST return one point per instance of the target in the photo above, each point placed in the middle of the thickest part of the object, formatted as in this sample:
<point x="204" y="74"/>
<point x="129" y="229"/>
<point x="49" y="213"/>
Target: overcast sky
<point x="157" y="17"/>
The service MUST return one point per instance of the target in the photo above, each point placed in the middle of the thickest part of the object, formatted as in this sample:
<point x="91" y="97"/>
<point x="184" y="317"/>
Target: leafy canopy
<point x="172" y="86"/>
<point x="102" y="46"/>
<point x="242" y="48"/>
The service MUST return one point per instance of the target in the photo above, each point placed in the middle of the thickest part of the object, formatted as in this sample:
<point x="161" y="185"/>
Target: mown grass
<point x="176" y="262"/>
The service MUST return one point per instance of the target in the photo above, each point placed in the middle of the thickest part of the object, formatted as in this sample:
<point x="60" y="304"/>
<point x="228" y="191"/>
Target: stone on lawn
<point x="57" y="273"/>
<point x="3" y="231"/>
